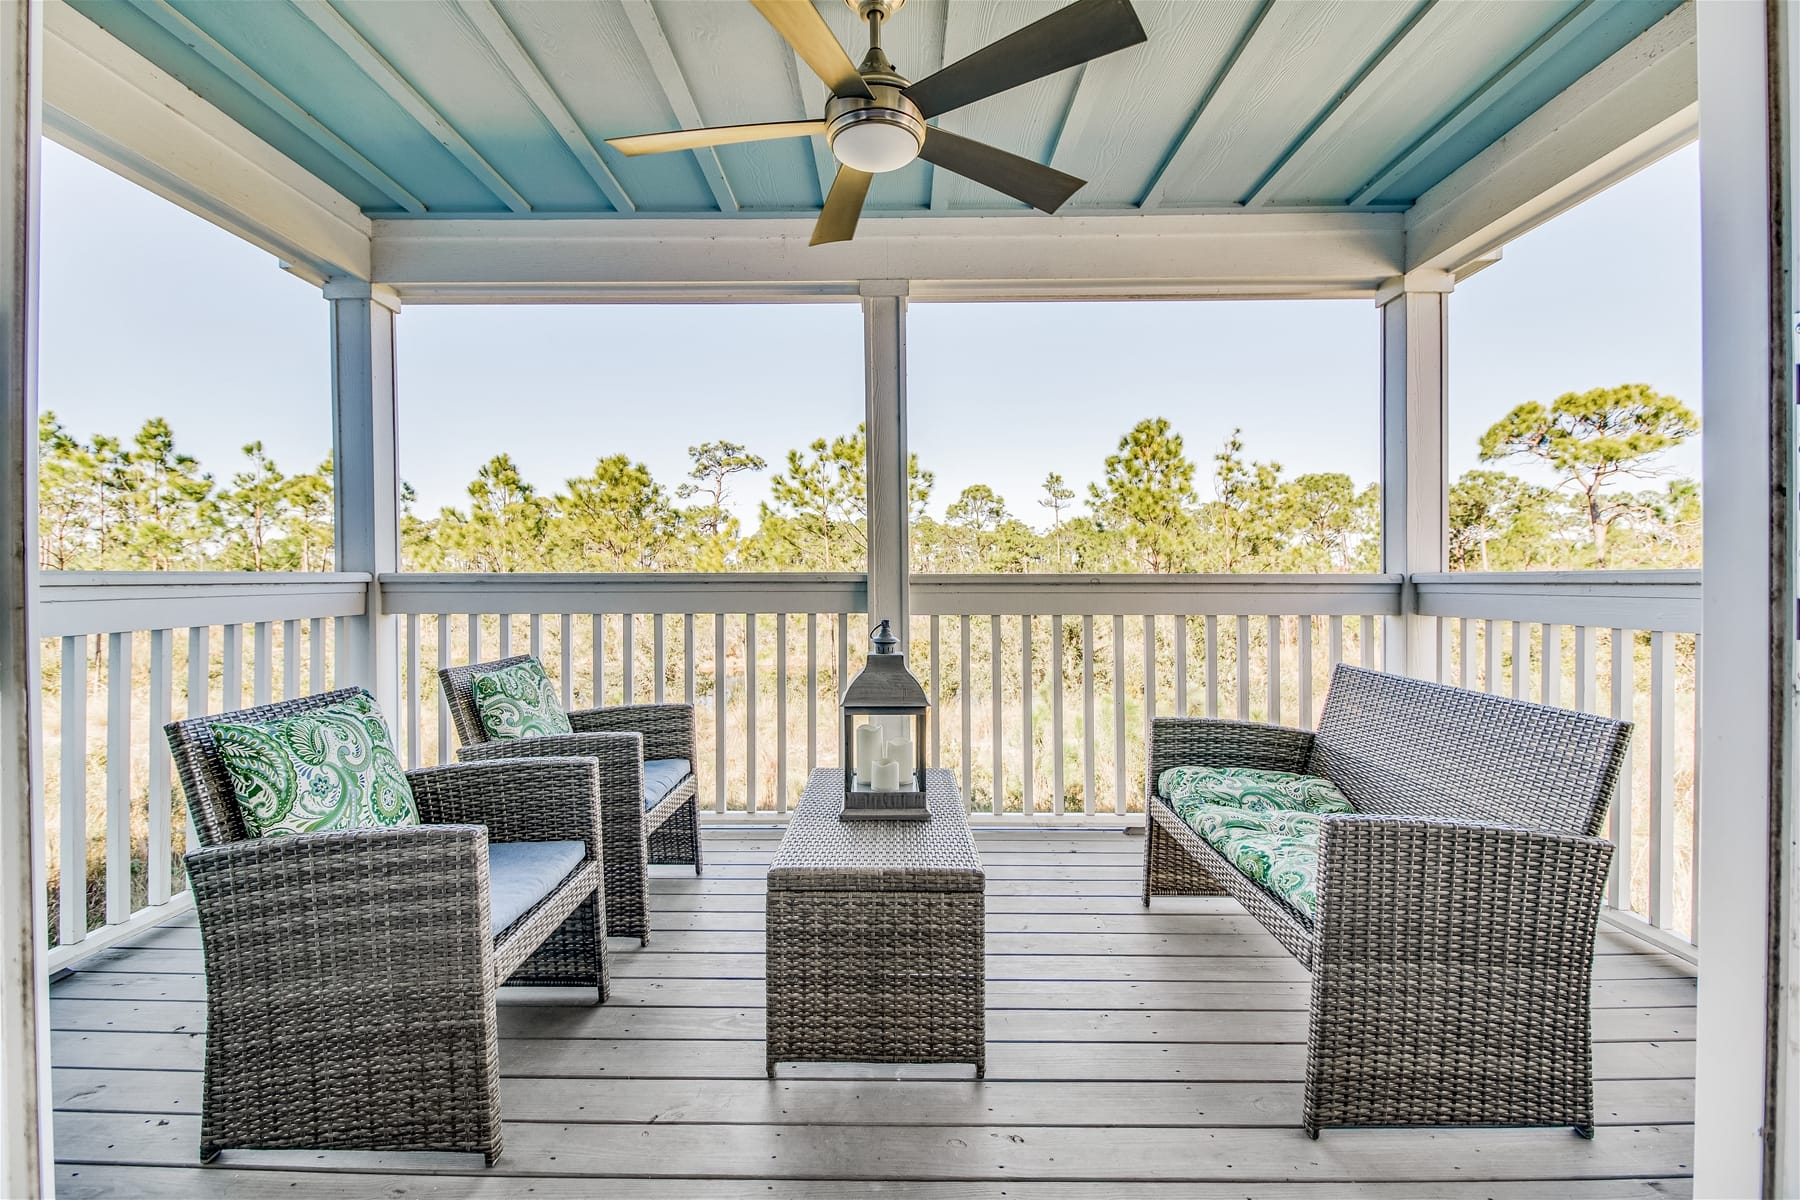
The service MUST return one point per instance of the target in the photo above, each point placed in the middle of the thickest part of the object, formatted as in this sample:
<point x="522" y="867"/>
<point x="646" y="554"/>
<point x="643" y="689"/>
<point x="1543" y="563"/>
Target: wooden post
<point x="1414" y="476"/>
<point x="367" y="478"/>
<point x="25" y="1152"/>
<point x="884" y="359"/>
<point x="1744" y="1141"/>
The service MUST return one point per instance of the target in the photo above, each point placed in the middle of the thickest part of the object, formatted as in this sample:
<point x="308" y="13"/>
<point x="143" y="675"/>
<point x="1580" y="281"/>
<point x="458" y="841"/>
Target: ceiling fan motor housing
<point x="881" y="133"/>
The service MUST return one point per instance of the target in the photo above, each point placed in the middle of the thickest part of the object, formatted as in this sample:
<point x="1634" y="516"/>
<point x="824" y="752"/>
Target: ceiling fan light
<point x="875" y="145"/>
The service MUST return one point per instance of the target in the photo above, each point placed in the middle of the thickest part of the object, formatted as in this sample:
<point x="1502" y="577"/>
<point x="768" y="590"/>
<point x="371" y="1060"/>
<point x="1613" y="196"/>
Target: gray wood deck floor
<point x="1150" y="1054"/>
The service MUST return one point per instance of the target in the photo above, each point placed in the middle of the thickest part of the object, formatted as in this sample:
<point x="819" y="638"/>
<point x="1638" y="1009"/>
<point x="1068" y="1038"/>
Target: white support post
<point x="25" y="1152"/>
<point x="1414" y="475"/>
<point x="367" y="480"/>
<point x="1746" y="624"/>
<point x="884" y="364"/>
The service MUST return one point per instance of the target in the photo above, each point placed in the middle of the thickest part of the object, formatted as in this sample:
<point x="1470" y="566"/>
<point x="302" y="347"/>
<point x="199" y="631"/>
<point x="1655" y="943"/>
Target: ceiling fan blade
<point x="801" y="26"/>
<point x="716" y="135"/>
<point x="1066" y="38"/>
<point x="843" y="207"/>
<point x="1037" y="185"/>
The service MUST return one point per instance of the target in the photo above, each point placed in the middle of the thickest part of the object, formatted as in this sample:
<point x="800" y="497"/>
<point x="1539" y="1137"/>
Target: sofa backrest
<point x="1405" y="747"/>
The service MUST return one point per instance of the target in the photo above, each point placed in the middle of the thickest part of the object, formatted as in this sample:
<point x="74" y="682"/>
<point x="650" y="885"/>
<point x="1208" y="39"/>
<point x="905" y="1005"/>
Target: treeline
<point x="109" y="504"/>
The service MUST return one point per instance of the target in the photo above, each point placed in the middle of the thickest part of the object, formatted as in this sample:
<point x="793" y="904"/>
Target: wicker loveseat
<point x="1452" y="937"/>
<point x="648" y="791"/>
<point x="350" y="975"/>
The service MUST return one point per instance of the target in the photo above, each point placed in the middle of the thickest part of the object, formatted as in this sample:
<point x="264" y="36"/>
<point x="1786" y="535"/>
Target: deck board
<point x="1155" y="1054"/>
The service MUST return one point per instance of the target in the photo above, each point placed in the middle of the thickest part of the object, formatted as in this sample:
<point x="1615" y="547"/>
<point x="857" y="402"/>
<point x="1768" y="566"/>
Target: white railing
<point x="1043" y="687"/>
<point x="123" y="654"/>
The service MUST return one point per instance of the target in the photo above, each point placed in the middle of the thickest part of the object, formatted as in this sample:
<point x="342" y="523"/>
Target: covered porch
<point x="1157" y="1047"/>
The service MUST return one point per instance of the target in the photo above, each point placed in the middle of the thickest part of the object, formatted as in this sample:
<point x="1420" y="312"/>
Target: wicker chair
<point x="638" y="828"/>
<point x="1452" y="947"/>
<point x="350" y="976"/>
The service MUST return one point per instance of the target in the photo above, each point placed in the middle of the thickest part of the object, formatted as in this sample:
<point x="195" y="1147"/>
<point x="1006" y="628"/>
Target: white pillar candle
<point x="870" y="749"/>
<point x="887" y="775"/>
<point x="900" y="750"/>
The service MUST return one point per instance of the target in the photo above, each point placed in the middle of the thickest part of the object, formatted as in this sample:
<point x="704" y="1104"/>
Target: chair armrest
<point x="524" y="798"/>
<point x="668" y="729"/>
<point x="1209" y="742"/>
<point x="354" y="904"/>
<point x="1414" y="890"/>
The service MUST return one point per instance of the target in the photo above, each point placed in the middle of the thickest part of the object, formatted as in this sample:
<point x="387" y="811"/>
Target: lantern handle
<point x="883" y="638"/>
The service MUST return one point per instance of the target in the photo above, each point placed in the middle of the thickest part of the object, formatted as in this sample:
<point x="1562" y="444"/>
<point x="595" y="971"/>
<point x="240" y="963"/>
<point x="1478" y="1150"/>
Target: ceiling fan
<point x="876" y="118"/>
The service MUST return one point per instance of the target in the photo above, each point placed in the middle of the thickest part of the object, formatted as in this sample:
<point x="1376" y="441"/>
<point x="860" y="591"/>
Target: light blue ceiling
<point x="457" y="106"/>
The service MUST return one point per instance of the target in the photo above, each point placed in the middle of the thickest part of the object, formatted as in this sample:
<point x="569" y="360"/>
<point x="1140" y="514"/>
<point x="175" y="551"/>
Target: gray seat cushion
<point x="522" y="873"/>
<point x="662" y="775"/>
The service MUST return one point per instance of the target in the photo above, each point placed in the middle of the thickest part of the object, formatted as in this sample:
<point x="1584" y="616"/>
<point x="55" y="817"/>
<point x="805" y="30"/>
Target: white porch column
<point x="1414" y="476"/>
<point x="367" y="476"/>
<point x="25" y="1158"/>
<point x="884" y="364"/>
<point x="1746" y="674"/>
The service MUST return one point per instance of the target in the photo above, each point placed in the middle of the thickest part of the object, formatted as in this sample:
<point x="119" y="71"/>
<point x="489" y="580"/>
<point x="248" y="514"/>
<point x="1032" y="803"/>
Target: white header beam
<point x="1632" y="109"/>
<point x="955" y="258"/>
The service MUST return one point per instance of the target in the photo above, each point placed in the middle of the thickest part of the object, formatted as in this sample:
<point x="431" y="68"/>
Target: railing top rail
<point x="1130" y="595"/>
<point x="615" y="592"/>
<point x="1666" y="600"/>
<point x="73" y="603"/>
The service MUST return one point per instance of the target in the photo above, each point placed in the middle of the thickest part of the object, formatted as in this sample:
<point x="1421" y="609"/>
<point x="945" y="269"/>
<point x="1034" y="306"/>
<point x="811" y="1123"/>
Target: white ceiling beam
<point x="108" y="103"/>
<point x="235" y="69"/>
<point x="655" y="41"/>
<point x="1628" y="112"/>
<point x="1558" y="36"/>
<point x="1260" y="32"/>
<point x="1211" y="254"/>
<point x="493" y="30"/>
<point x="384" y="75"/>
<point x="1377" y="75"/>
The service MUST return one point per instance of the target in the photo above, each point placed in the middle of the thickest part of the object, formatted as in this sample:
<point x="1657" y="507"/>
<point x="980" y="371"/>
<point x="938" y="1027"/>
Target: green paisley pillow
<point x="518" y="702"/>
<point x="1250" y="789"/>
<point x="1285" y="864"/>
<point x="331" y="768"/>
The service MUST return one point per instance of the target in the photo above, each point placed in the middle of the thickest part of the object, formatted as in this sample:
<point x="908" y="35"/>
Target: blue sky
<point x="148" y="310"/>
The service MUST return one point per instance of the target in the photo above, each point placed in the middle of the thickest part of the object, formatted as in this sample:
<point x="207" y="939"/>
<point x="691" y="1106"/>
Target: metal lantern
<point x="884" y="738"/>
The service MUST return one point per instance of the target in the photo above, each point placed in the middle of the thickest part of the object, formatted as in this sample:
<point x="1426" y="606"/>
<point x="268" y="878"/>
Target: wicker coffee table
<point x="876" y="934"/>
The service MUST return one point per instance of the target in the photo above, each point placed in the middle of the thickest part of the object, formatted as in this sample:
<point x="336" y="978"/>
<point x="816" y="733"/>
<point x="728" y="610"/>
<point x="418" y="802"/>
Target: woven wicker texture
<point x="876" y="935"/>
<point x="350" y="975"/>
<point x="620" y="740"/>
<point x="1452" y="953"/>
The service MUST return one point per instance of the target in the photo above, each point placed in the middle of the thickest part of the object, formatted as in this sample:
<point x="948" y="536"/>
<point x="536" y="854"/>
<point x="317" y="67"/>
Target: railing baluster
<point x="1027" y="748"/>
<point x="118" y="776"/>
<point x="1521" y="653"/>
<point x="967" y="710"/>
<point x="472" y="633"/>
<point x="1120" y="802"/>
<point x="1056" y="715"/>
<point x="1304" y="651"/>
<point x="1662" y="779"/>
<point x="412" y="690"/>
<point x="719" y="681"/>
<point x="1274" y="673"/>
<point x="1181" y="680"/>
<point x="443" y="701"/>
<point x="659" y="658"/>
<point x="263" y="651"/>
<point x="340" y="647"/>
<point x="1550" y="663"/>
<point x="812" y="691"/>
<point x="231" y="698"/>
<point x="1585" y="689"/>
<point x="1443" y="652"/>
<point x="1366" y="636"/>
<point x="72" y="870"/>
<point x="1090" y="742"/>
<point x="597" y="651"/>
<point x="751" y="766"/>
<point x="199" y="665"/>
<point x="160" y="843"/>
<point x="1212" y="665"/>
<point x="628" y="658"/>
<point x="290" y="660"/>
<point x="1621" y="892"/>
<point x="1334" y="644"/>
<point x="505" y="623"/>
<point x="997" y="738"/>
<point x="937" y="694"/>
<point x="1149" y="677"/>
<point x="1243" y="668"/>
<point x="781" y="720"/>
<point x="565" y="646"/>
<point x="1490" y="645"/>
<point x="1465" y="674"/>
<point x="315" y="677"/>
<point x="687" y="658"/>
